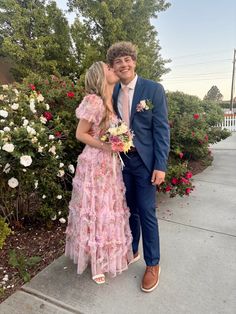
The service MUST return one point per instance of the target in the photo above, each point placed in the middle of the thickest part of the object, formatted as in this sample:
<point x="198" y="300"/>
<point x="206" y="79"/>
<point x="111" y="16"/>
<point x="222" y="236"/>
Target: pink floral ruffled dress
<point x="98" y="229"/>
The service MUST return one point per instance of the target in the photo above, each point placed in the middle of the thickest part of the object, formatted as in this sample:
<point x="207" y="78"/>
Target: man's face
<point x="124" y="68"/>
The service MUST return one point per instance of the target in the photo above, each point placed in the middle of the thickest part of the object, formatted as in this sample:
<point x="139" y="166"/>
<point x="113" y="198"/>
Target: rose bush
<point x="33" y="169"/>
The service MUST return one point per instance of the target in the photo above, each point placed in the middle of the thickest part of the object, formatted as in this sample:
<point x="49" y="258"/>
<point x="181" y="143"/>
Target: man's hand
<point x="158" y="177"/>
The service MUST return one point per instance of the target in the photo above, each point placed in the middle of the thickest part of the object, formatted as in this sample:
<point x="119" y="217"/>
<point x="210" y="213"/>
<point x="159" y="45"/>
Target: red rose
<point x="58" y="134"/>
<point x="183" y="180"/>
<point x="188" y="175"/>
<point x="181" y="155"/>
<point x="31" y="86"/>
<point x="187" y="191"/>
<point x="174" y="181"/>
<point x="196" y="116"/>
<point x="70" y="94"/>
<point x="48" y="115"/>
<point x="168" y="188"/>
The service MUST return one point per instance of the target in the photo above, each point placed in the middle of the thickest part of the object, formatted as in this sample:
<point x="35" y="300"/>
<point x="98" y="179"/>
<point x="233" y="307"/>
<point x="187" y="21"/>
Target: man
<point x="142" y="105"/>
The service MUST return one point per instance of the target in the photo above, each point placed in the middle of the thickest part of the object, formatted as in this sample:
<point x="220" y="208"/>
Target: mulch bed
<point x="40" y="241"/>
<point x="30" y="241"/>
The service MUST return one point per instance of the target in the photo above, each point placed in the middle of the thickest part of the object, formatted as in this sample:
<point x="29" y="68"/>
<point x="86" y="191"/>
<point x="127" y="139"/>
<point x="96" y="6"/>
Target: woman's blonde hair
<point x="95" y="83"/>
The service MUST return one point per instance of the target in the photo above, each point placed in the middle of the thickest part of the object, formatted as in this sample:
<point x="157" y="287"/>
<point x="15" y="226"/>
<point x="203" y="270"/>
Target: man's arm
<point x="161" y="135"/>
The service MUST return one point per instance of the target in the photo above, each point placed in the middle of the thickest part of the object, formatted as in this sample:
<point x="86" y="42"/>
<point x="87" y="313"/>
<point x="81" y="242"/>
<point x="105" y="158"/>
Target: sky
<point x="199" y="36"/>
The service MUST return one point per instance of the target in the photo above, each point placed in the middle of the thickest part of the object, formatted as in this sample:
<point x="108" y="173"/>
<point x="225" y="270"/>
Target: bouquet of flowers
<point x="119" y="136"/>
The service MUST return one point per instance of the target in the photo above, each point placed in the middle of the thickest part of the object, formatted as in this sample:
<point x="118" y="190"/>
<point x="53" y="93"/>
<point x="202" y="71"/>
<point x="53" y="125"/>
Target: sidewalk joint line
<point x="50" y="300"/>
<point x="201" y="180"/>
<point x="195" y="227"/>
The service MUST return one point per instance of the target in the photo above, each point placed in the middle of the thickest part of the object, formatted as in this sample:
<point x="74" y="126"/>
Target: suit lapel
<point x="137" y="97"/>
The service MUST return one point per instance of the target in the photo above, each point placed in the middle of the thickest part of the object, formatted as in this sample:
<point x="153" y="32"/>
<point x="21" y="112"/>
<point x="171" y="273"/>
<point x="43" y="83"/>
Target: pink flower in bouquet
<point x="48" y="115"/>
<point x="174" y="181"/>
<point x="188" y="175"/>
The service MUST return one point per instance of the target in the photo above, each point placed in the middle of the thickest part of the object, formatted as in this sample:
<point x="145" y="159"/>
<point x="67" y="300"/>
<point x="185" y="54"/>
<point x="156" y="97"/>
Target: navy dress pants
<point x="141" y="199"/>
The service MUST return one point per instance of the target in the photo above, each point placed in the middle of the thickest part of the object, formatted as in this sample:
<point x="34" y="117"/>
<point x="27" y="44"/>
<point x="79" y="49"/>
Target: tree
<point x="35" y="36"/>
<point x="213" y="94"/>
<point x="101" y="23"/>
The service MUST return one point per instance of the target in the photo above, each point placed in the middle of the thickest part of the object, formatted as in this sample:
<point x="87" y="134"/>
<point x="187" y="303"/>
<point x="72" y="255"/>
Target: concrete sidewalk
<point x="198" y="259"/>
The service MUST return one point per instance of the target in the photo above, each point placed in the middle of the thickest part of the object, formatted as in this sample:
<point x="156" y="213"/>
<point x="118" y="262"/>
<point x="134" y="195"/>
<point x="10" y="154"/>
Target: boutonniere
<point x="144" y="105"/>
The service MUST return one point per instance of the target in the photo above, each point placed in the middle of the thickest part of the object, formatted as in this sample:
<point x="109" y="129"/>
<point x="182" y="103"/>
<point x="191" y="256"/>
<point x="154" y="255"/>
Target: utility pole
<point x="232" y="85"/>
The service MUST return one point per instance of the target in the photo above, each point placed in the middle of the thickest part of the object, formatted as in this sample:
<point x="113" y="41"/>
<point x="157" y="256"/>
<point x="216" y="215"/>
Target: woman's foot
<point x="99" y="279"/>
<point x="136" y="258"/>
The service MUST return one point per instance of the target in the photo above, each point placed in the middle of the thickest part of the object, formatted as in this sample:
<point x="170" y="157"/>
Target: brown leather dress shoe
<point x="151" y="278"/>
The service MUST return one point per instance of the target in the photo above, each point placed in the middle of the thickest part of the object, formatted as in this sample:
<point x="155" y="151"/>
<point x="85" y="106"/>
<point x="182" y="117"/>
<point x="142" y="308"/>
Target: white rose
<point x="5" y="87"/>
<point x="51" y="137"/>
<point x="11" y="123"/>
<point x="62" y="220"/>
<point x="71" y="168"/>
<point x="60" y="173"/>
<point x="6" y="129"/>
<point x="44" y="196"/>
<point x="32" y="106"/>
<point x="47" y="106"/>
<point x="36" y="183"/>
<point x="54" y="218"/>
<point x="8" y="147"/>
<point x="26" y="160"/>
<point x="25" y="122"/>
<point x="14" y="106"/>
<point x="61" y="165"/>
<point x="40" y="98"/>
<point x="34" y="140"/>
<point x="2" y="97"/>
<point x="13" y="183"/>
<point x="3" y="113"/>
<point x="16" y="91"/>
<point x="40" y="149"/>
<point x="59" y="197"/>
<point x="52" y="150"/>
<point x="30" y="130"/>
<point x="7" y="168"/>
<point x="43" y="120"/>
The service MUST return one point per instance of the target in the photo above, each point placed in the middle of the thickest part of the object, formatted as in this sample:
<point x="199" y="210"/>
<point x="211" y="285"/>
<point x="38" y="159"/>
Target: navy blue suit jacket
<point x="151" y="127"/>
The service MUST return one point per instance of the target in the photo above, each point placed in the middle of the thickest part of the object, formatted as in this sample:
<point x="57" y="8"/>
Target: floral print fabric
<point x="98" y="224"/>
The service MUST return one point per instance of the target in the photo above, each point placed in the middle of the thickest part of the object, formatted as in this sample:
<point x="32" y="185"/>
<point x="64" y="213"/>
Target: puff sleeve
<point x="91" y="109"/>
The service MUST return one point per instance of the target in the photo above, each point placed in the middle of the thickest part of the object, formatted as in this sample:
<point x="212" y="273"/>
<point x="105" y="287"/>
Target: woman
<point x="98" y="224"/>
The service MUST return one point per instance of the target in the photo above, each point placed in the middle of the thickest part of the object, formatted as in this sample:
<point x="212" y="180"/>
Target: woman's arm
<point x="82" y="134"/>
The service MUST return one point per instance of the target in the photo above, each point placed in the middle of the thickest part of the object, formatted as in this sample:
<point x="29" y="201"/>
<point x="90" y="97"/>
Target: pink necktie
<point x="125" y="105"/>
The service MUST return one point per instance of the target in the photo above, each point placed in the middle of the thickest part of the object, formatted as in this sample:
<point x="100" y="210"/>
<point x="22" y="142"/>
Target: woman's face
<point x="110" y="75"/>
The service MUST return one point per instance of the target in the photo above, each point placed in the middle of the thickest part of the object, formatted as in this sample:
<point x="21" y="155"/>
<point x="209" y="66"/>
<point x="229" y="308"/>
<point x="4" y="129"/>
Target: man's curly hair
<point x="121" y="49"/>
